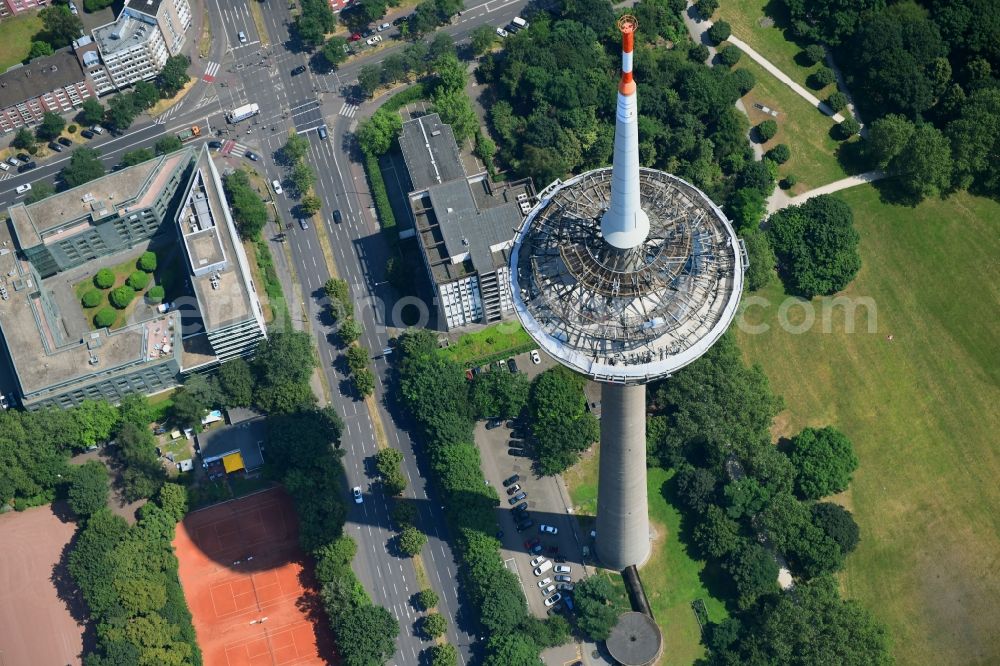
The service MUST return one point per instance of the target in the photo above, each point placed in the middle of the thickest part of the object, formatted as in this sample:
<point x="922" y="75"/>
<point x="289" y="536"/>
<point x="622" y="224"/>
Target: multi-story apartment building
<point x="174" y="205"/>
<point x="53" y="83"/>
<point x="13" y="7"/>
<point x="136" y="46"/>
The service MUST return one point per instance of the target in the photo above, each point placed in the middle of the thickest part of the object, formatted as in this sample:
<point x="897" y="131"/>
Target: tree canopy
<point x="88" y="488"/>
<point x="824" y="461"/>
<point x="249" y="210"/>
<point x="560" y="422"/>
<point x="84" y="166"/>
<point x="499" y="394"/>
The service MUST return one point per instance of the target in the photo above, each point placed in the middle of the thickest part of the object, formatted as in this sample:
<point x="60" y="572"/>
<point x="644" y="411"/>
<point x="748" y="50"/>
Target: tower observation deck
<point x="625" y="274"/>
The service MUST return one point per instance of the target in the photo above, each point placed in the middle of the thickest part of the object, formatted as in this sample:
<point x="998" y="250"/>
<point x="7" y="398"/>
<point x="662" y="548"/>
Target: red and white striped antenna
<point x="628" y="25"/>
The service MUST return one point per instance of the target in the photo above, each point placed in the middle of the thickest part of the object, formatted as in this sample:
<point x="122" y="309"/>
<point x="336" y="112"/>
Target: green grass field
<point x="745" y="18"/>
<point x="804" y="128"/>
<point x="15" y="38"/>
<point x="671" y="577"/>
<point x="505" y="338"/>
<point x="922" y="413"/>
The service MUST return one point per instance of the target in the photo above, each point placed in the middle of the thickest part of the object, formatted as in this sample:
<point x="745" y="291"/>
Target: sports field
<point x="249" y="586"/>
<point x="921" y="410"/>
<point x="36" y="625"/>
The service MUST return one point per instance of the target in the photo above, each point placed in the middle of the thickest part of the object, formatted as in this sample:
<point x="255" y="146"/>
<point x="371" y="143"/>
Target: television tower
<point x="625" y="274"/>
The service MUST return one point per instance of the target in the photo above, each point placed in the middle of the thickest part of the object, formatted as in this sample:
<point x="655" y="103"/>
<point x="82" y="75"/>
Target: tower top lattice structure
<point x="626" y="274"/>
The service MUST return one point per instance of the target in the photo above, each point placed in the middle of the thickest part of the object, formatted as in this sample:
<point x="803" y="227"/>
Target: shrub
<point x="147" y="262"/>
<point x="814" y="53"/>
<point x="104" y="279"/>
<point x="427" y="599"/>
<point x="155" y="294"/>
<point x="138" y="280"/>
<point x="767" y="129"/>
<point x="821" y="78"/>
<point x="121" y="297"/>
<point x="105" y="317"/>
<point x="91" y="298"/>
<point x="719" y="32"/>
<point x="848" y="128"/>
<point x="789" y="181"/>
<point x="729" y="55"/>
<point x="779" y="154"/>
<point x="837" y="101"/>
<point x="698" y="53"/>
<point x="743" y="80"/>
<point x="72" y="129"/>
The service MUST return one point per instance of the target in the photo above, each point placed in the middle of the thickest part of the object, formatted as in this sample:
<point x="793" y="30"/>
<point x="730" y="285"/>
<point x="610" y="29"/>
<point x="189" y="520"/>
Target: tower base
<point x="622" y="511"/>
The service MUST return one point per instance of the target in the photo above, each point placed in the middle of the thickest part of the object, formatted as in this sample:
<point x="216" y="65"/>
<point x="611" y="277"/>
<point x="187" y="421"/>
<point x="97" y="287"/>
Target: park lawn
<point x="922" y="413"/>
<point x="16" y="33"/>
<point x="745" y="15"/>
<point x="801" y="126"/>
<point x="499" y="340"/>
<point x="671" y="577"/>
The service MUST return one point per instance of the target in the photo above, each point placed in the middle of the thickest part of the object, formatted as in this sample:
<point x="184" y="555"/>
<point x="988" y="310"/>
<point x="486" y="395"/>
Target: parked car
<point x="511" y="479"/>
<point x="322" y="132"/>
<point x="542" y="568"/>
<point x="4" y="166"/>
<point x="535" y="358"/>
<point x="520" y="508"/>
<point x="526" y="524"/>
<point x="563" y="578"/>
<point x="547" y="590"/>
<point x="338" y="218"/>
<point x="517" y="498"/>
<point x="384" y="26"/>
<point x="243" y="37"/>
<point x="551" y="601"/>
<point x="401" y="20"/>
<point x="72" y="8"/>
<point x="358" y="497"/>
<point x="97" y="129"/>
<point x="354" y="37"/>
<point x="13" y="161"/>
<point x="515" y="443"/>
<point x="531" y="543"/>
<point x="87" y="134"/>
<point x="24" y="157"/>
<point x="277" y="186"/>
<point x="512" y="365"/>
<point x="27" y="167"/>
<point x="548" y="529"/>
<point x="372" y="41"/>
<point x="493" y="423"/>
<point x="303" y="223"/>
<point x="252" y="156"/>
<point x="501" y="32"/>
<point x="536" y="549"/>
<point x="367" y="32"/>
<point x="566" y="587"/>
<point x="545" y="581"/>
<point x="564" y="569"/>
<point x="536" y="561"/>
<point x="569" y="602"/>
<point x="55" y="146"/>
<point x="215" y="145"/>
<point x="21" y="189"/>
<point x="299" y="70"/>
<point x="517" y="453"/>
<point x="516" y="488"/>
<point x="64" y="141"/>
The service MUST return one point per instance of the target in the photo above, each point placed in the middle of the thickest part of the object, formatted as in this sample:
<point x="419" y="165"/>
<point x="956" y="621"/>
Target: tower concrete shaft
<point x="622" y="518"/>
<point x="625" y="225"/>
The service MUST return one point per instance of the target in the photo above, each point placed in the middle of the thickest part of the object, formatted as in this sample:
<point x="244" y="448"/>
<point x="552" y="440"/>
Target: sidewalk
<point x="779" y="199"/>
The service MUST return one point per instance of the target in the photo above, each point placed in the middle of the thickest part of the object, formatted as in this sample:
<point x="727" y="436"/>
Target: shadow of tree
<point x="66" y="588"/>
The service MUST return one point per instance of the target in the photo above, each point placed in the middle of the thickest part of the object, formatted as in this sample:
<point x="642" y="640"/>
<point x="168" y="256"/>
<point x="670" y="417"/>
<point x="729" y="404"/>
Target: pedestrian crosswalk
<point x="211" y="69"/>
<point x="348" y="110"/>
<point x="233" y="148"/>
<point x="165" y="116"/>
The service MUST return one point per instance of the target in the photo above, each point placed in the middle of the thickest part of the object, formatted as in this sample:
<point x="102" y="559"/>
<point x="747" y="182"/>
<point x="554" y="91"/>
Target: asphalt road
<point x="244" y="72"/>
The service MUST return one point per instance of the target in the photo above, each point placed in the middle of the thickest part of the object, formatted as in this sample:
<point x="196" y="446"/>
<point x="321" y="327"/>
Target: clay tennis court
<point x="249" y="586"/>
<point x="38" y="600"/>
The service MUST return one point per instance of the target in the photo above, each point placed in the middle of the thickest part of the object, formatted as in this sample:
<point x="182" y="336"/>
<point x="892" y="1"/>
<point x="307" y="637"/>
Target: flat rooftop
<point x="125" y="33"/>
<point x="246" y="437"/>
<point x="39" y="360"/>
<point x="430" y="152"/>
<point x="67" y="213"/>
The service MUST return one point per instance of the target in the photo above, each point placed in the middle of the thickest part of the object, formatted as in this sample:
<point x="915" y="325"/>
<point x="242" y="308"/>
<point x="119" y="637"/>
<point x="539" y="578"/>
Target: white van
<point x="543" y="567"/>
<point x="519" y="23"/>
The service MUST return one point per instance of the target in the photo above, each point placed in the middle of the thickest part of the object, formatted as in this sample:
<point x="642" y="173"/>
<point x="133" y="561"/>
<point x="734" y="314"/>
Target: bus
<point x="242" y="113"/>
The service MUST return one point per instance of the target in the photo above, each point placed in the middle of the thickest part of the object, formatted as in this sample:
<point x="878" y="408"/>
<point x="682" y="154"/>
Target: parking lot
<point x="546" y="505"/>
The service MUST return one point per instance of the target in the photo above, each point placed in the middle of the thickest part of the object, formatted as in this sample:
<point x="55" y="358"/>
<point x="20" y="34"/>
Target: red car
<point x="528" y="545"/>
<point x="355" y="37"/>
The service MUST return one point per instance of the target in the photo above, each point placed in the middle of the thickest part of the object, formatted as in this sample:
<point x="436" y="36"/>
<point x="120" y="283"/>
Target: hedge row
<point x="272" y="285"/>
<point x="381" y="196"/>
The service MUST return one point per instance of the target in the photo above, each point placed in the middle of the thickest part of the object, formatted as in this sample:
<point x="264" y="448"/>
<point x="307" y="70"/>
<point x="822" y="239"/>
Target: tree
<point x="974" y="136"/>
<point x="120" y="297"/>
<point x="51" y="126"/>
<point x="121" y="111"/>
<point x="761" y="259"/>
<point x="134" y="408"/>
<point x="499" y="394"/>
<point x="923" y="168"/>
<point x="445" y="654"/>
<point x="168" y="144"/>
<point x="779" y="154"/>
<point x="848" y="127"/>
<point x="91" y="111"/>
<point x="236" y="383"/>
<point x="560" y="422"/>
<point x="39" y="190"/>
<point x="717" y="534"/>
<point x="824" y="461"/>
<point x="91" y="298"/>
<point x="349" y="331"/>
<point x="754" y="572"/>
<point x="105" y="317"/>
<point x="155" y="294"/>
<point x="433" y="625"/>
<point x="88" y="488"/>
<point x="364" y="382"/>
<point x="816" y="246"/>
<point x="369" y="79"/>
<point x="303" y="177"/>
<point x="698" y="53"/>
<point x="719" y="32"/>
<point x="377" y="133"/>
<point x="512" y="649"/>
<point x="135" y="452"/>
<point x="808" y="550"/>
<point x="483" y="39"/>
<point x="249" y="211"/>
<point x="145" y="95"/>
<point x="837" y="102"/>
<point x="696" y="488"/>
<point x="84" y="166"/>
<point x="146" y="262"/>
<point x="730" y="55"/>
<point x="838" y="524"/>
<point x="173" y="76"/>
<point x="456" y="110"/>
<point x="137" y="156"/>
<point x="427" y="599"/>
<point x="40" y="50"/>
<point x="283" y="365"/>
<point x="814" y="53"/>
<point x="186" y="410"/>
<point x="295" y="148"/>
<point x="308" y="30"/>
<point x="596" y="616"/>
<point x="60" y="26"/>
<point x="23" y="139"/>
<point x="310" y="205"/>
<point x="706" y="8"/>
<point x="767" y="129"/>
<point x="138" y="280"/>
<point x="821" y="78"/>
<point x="367" y="636"/>
<point x="335" y="51"/>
